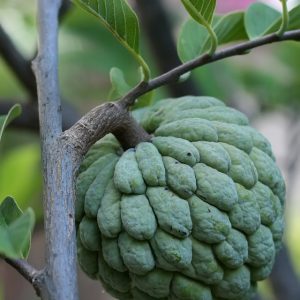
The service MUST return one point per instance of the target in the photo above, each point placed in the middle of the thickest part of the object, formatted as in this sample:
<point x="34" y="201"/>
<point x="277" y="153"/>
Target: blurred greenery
<point x="253" y="75"/>
<point x="20" y="176"/>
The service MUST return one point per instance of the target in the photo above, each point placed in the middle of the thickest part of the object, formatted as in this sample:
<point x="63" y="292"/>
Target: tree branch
<point x="59" y="164"/>
<point x="17" y="63"/>
<point x="112" y="116"/>
<point x="103" y="119"/>
<point x="32" y="275"/>
<point x="174" y="74"/>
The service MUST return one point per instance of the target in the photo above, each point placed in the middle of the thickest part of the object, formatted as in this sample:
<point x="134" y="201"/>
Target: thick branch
<point x="59" y="164"/>
<point x="103" y="119"/>
<point x="45" y="67"/>
<point x="29" y="120"/>
<point x="32" y="275"/>
<point x="17" y="63"/>
<point x="174" y="74"/>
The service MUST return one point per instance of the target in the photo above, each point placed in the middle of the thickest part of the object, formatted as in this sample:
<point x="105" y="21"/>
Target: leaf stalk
<point x="285" y="19"/>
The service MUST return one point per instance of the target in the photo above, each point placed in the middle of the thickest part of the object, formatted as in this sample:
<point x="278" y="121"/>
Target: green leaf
<point x="294" y="21"/>
<point x="119" y="18"/>
<point x="14" y="112"/>
<point x="200" y="10"/>
<point x="15" y="229"/>
<point x="184" y="77"/>
<point x="120" y="87"/>
<point x="259" y="17"/>
<point x="145" y="100"/>
<point x="194" y="40"/>
<point x="230" y="28"/>
<point x="191" y="40"/>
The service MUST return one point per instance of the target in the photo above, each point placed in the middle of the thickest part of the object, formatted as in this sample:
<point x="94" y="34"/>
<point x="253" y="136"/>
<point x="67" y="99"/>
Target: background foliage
<point x="264" y="85"/>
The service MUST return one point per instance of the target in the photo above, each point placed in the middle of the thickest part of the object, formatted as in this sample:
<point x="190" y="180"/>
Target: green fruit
<point x="194" y="214"/>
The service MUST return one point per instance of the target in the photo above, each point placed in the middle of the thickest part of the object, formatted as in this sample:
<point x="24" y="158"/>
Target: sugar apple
<point x="194" y="214"/>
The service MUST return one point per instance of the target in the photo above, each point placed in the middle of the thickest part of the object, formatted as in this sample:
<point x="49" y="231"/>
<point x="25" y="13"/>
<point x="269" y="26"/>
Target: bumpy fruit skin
<point x="194" y="214"/>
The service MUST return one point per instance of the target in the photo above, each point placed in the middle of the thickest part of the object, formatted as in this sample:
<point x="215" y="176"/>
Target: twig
<point x="18" y="64"/>
<point x="110" y="116"/>
<point x="32" y="275"/>
<point x="174" y="74"/>
<point x="106" y="118"/>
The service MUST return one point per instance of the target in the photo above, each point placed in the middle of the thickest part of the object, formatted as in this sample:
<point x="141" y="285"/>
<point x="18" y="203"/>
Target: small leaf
<point x="184" y="77"/>
<point x="230" y="28"/>
<point x="120" y="87"/>
<point x="15" y="229"/>
<point x="294" y="21"/>
<point x="119" y="18"/>
<point x="14" y="112"/>
<point x="259" y="17"/>
<point x="145" y="100"/>
<point x="194" y="40"/>
<point x="191" y="40"/>
<point x="200" y="10"/>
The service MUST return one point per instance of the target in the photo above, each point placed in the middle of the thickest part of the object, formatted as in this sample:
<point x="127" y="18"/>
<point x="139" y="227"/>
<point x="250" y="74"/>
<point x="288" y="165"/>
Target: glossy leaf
<point x="15" y="229"/>
<point x="14" y="112"/>
<point x="200" y="10"/>
<point x="118" y="17"/>
<point x="259" y="18"/>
